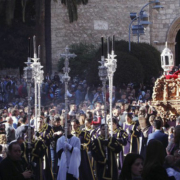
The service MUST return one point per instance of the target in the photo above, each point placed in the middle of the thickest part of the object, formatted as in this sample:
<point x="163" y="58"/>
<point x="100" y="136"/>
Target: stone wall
<point x="105" y="18"/>
<point x="166" y="24"/>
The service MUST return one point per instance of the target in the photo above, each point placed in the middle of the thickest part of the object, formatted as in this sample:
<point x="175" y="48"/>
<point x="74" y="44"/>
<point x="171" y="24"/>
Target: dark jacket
<point x="20" y="131"/>
<point x="160" y="136"/>
<point x="157" y="172"/>
<point x="10" y="133"/>
<point x="11" y="170"/>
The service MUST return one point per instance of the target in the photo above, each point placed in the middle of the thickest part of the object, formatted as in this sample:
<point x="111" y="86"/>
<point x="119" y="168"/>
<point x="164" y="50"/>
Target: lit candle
<point x="102" y="43"/>
<point x="29" y="47"/>
<point x="39" y="47"/>
<point x="107" y="45"/>
<point x="34" y="45"/>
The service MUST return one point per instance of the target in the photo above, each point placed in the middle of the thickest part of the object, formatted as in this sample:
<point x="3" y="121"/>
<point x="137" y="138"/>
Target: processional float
<point x="166" y="91"/>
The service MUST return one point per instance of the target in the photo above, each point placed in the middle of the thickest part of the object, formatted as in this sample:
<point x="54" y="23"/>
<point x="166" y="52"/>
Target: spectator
<point x="15" y="114"/>
<point x="78" y="95"/>
<point x="170" y="167"/>
<point x="174" y="143"/>
<point x="132" y="167"/>
<point x="21" y="130"/>
<point x="11" y="168"/>
<point x="56" y="77"/>
<point x="153" y="166"/>
<point x="159" y="135"/>
<point x="10" y="131"/>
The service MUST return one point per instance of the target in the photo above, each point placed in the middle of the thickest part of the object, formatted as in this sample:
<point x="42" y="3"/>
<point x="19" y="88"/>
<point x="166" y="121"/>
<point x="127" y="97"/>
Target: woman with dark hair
<point x="132" y="129"/>
<point x="132" y="167"/>
<point x="153" y="166"/>
<point x="174" y="143"/>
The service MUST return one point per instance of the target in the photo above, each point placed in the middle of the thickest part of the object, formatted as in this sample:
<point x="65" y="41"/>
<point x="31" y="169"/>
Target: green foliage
<point x="84" y="65"/>
<point x="143" y="62"/>
<point x="72" y="8"/>
<point x="129" y="69"/>
<point x="148" y="56"/>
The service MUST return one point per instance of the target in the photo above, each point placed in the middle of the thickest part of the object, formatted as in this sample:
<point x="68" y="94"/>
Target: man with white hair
<point x="10" y="131"/>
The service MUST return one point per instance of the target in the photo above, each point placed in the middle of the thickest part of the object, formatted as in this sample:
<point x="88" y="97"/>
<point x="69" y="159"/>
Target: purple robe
<point x="122" y="138"/>
<point x="143" y="140"/>
<point x="132" y="145"/>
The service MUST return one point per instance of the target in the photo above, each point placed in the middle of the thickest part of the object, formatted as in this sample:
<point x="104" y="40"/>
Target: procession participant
<point x="34" y="156"/>
<point x="45" y="133"/>
<point x="88" y="121"/>
<point x="58" y="132"/>
<point x="85" y="169"/>
<point x="146" y="129"/>
<point x="133" y="132"/>
<point x="121" y="136"/>
<point x="12" y="167"/>
<point x="106" y="166"/>
<point x="69" y="156"/>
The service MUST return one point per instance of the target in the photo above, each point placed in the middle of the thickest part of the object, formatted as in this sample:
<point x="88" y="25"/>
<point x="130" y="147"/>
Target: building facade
<point x="112" y="17"/>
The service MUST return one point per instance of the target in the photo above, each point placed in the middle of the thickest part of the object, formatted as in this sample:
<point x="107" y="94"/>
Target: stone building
<point x="112" y="17"/>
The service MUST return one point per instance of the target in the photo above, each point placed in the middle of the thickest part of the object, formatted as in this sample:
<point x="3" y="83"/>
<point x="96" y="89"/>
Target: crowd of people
<point x="136" y="144"/>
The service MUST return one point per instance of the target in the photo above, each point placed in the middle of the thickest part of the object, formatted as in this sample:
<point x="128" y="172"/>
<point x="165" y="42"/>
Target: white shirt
<point x="69" y="162"/>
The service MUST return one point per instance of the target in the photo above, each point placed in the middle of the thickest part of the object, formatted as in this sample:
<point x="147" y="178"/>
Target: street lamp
<point x="111" y="64"/>
<point x="139" y="28"/>
<point x="67" y="55"/>
<point x="167" y="61"/>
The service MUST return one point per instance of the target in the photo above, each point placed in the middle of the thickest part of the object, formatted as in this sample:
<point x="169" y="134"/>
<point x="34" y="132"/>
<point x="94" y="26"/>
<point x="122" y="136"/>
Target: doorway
<point x="177" y="49"/>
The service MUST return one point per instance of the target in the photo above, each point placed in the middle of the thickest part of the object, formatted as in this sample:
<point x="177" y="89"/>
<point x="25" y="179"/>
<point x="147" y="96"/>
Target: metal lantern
<point x="167" y="61"/>
<point x="102" y="69"/>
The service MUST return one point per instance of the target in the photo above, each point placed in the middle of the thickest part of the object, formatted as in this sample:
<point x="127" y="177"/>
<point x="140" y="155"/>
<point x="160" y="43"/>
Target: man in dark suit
<point x="12" y="167"/>
<point x="158" y="134"/>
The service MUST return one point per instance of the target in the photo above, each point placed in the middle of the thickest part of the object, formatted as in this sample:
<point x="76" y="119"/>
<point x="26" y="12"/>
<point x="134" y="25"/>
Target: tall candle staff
<point x="111" y="64"/>
<point x="38" y="78"/>
<point x="28" y="78"/>
<point x="103" y="77"/>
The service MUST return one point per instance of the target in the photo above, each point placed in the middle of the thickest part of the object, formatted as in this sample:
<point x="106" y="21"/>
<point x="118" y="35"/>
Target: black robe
<point x="122" y="138"/>
<point x="106" y="168"/>
<point x="37" y="151"/>
<point x="85" y="169"/>
<point x="46" y="135"/>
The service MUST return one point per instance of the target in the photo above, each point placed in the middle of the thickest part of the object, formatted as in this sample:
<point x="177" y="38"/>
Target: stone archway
<point x="172" y="33"/>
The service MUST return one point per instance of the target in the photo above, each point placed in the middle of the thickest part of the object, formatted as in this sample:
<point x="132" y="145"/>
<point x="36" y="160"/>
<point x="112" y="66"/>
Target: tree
<point x="14" y="33"/>
<point x="80" y="65"/>
<point x="72" y="8"/>
<point x="148" y="56"/>
<point x="142" y="63"/>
